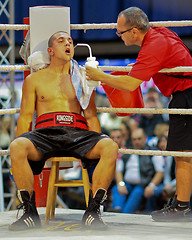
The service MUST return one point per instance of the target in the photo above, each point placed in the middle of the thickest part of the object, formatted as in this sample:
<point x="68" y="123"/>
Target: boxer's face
<point x="61" y="46"/>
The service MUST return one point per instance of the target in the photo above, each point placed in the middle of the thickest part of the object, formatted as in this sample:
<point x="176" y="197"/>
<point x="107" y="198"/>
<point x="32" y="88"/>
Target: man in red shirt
<point x="160" y="48"/>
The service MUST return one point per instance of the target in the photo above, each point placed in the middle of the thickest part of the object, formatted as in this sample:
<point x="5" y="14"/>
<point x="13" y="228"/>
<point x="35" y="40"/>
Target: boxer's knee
<point x="17" y="148"/>
<point x="109" y="149"/>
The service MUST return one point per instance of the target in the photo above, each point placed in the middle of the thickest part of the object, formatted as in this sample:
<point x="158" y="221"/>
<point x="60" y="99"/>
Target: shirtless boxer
<point x="50" y="92"/>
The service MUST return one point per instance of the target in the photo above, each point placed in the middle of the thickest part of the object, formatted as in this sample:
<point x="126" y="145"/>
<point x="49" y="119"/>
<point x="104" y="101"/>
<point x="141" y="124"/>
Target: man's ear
<point x="50" y="51"/>
<point x="135" y="30"/>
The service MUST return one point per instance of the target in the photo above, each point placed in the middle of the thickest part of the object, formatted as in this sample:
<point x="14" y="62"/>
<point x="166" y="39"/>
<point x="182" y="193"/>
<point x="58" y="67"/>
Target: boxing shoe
<point x="30" y="218"/>
<point x="171" y="213"/>
<point x="92" y="216"/>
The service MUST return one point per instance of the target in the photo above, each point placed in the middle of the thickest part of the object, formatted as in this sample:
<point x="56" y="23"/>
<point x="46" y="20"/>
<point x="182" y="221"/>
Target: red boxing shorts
<point x="61" y="119"/>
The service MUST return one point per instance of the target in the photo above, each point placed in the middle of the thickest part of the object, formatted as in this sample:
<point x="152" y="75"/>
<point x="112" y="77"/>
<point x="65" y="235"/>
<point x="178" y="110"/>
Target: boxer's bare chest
<point x="60" y="88"/>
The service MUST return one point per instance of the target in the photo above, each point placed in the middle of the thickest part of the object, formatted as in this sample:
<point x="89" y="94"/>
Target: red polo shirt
<point x="160" y="49"/>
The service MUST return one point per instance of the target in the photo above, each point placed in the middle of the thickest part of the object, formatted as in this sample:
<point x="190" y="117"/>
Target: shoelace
<point x="104" y="198"/>
<point x="25" y="206"/>
<point x="19" y="207"/>
<point x="168" y="207"/>
<point x="99" y="216"/>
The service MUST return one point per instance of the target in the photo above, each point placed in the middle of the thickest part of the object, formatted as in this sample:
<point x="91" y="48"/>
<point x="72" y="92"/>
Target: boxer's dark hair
<point x="51" y="39"/>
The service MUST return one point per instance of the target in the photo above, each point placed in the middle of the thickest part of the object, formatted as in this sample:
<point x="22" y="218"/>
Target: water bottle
<point x="91" y="62"/>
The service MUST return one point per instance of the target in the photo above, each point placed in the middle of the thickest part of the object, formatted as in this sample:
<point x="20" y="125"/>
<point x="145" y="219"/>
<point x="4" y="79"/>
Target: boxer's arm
<point x="27" y="106"/>
<point x="90" y="113"/>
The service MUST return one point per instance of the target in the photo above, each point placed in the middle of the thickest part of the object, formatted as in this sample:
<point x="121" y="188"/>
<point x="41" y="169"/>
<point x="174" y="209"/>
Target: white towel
<point x="25" y="48"/>
<point x="39" y="60"/>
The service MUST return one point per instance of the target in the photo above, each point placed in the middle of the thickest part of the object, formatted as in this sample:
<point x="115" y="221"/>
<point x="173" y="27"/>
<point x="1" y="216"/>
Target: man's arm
<point x="156" y="180"/>
<point x="158" y="163"/>
<point x="120" y="183"/>
<point x="90" y="114"/>
<point x="27" y="106"/>
<point x="122" y="82"/>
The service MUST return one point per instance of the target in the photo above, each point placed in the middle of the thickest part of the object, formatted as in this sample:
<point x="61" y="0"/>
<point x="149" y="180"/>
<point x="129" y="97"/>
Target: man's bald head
<point x="138" y="138"/>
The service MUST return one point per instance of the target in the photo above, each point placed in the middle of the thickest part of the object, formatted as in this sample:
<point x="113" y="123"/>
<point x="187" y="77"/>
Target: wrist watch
<point x="121" y="183"/>
<point x="152" y="185"/>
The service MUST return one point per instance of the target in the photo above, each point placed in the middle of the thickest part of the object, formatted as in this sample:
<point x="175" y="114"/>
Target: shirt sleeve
<point x="158" y="163"/>
<point x="150" y="60"/>
<point x="119" y="165"/>
<point x="144" y="70"/>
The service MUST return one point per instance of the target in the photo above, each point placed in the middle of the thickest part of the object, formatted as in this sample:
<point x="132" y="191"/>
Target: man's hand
<point x="149" y="191"/>
<point x="122" y="190"/>
<point x="94" y="74"/>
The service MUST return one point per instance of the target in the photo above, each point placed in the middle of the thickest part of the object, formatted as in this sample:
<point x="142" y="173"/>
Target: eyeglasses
<point x="121" y="33"/>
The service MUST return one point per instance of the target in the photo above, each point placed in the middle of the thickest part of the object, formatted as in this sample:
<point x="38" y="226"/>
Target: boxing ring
<point x="109" y="217"/>
<point x="85" y="27"/>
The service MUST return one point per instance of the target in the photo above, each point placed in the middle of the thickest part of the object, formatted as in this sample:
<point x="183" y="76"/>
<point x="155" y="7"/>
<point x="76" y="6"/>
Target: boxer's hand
<point x="93" y="74"/>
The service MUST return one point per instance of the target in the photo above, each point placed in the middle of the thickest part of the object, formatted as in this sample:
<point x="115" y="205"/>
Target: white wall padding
<point x="44" y="21"/>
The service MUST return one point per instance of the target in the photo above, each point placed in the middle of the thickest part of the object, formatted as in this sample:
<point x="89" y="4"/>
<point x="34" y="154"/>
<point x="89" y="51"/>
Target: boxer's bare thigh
<point x="32" y="152"/>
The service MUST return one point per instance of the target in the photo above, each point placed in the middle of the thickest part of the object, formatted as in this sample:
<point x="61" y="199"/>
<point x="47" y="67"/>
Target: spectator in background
<point x="109" y="121"/>
<point x="161" y="129"/>
<point x="168" y="187"/>
<point x="134" y="122"/>
<point x="5" y="138"/>
<point x="73" y="197"/>
<point x="154" y="96"/>
<point x="136" y="176"/>
<point x="126" y="132"/>
<point x="169" y="176"/>
<point x="160" y="101"/>
<point x="149" y="121"/>
<point x="117" y="136"/>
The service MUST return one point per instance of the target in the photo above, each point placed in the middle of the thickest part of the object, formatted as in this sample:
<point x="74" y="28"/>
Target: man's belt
<point x="61" y="119"/>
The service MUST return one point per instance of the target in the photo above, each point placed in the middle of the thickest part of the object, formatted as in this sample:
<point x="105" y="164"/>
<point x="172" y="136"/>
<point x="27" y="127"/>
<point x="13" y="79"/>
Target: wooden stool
<point x="54" y="183"/>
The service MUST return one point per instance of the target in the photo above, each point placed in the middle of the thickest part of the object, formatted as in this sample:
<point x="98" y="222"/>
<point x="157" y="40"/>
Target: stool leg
<point x="86" y="184"/>
<point x="52" y="178"/>
<point x="54" y="197"/>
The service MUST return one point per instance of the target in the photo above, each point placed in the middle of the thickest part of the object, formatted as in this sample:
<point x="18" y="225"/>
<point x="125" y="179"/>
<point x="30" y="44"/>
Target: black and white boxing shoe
<point x="92" y="216"/>
<point x="30" y="218"/>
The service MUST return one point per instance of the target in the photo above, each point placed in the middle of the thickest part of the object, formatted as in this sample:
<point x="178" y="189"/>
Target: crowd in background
<point x="132" y="189"/>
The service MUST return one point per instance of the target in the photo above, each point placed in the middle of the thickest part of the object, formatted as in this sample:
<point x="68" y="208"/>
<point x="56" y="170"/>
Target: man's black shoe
<point x="92" y="216"/>
<point x="30" y="218"/>
<point x="170" y="213"/>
